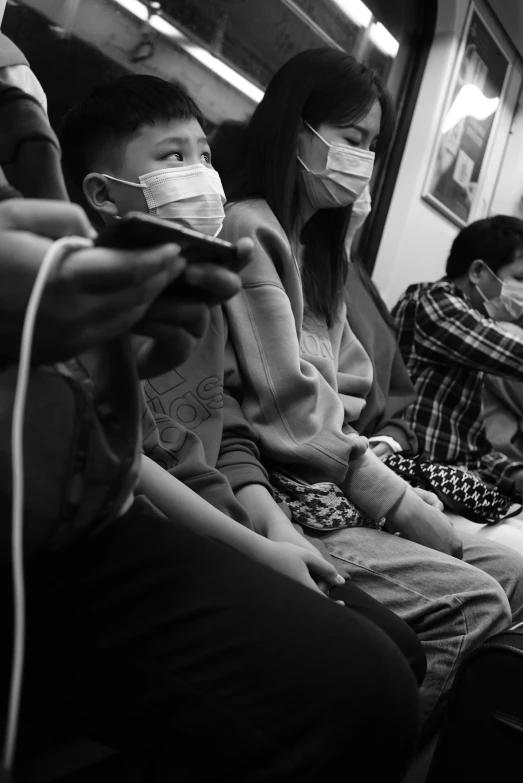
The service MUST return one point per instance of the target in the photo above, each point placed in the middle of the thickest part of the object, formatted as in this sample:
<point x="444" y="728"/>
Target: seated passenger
<point x="449" y="342"/>
<point x="139" y="637"/>
<point x="123" y="132"/>
<point x="379" y="384"/>
<point x="503" y="408"/>
<point x="119" y="136"/>
<point x="307" y="155"/>
<point x="392" y="390"/>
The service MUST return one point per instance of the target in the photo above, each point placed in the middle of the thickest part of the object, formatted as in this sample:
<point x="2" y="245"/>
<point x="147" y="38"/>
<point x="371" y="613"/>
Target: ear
<point x="476" y="271"/>
<point x="97" y="190"/>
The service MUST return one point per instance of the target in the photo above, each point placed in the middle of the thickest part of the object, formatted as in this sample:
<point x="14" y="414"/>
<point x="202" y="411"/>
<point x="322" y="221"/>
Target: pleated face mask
<point x="346" y="175"/>
<point x="508" y="305"/>
<point x="361" y="209"/>
<point x="190" y="195"/>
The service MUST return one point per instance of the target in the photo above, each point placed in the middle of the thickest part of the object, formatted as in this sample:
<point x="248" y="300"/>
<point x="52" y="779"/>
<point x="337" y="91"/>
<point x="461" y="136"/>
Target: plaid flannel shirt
<point x="448" y="346"/>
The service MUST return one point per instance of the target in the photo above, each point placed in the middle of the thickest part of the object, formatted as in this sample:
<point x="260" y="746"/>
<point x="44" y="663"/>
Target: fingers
<point x="343" y="570"/>
<point x="220" y="282"/>
<point x="131" y="283"/>
<point x="177" y="348"/>
<point x="434" y="501"/>
<point x="323" y="586"/>
<point x="53" y="219"/>
<point x="316" y="586"/>
<point x="118" y="311"/>
<point x="430" y="498"/>
<point x="216" y="280"/>
<point x="456" y="541"/>
<point x="381" y="450"/>
<point x="322" y="570"/>
<point x="101" y="269"/>
<point x="442" y="524"/>
<point x="244" y="252"/>
<point x="360" y="446"/>
<point x="167" y="312"/>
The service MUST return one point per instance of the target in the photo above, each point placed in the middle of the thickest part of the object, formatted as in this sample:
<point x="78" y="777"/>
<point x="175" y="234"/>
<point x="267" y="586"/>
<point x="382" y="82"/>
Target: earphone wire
<point x="54" y="255"/>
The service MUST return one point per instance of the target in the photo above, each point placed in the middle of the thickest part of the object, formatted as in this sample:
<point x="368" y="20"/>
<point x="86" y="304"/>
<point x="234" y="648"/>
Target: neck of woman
<point x="304" y="213"/>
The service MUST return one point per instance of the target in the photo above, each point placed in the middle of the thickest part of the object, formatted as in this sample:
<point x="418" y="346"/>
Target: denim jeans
<point x="452" y="605"/>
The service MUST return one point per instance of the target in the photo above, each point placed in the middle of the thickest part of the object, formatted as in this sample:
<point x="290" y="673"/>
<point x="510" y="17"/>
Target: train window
<point x="224" y="52"/>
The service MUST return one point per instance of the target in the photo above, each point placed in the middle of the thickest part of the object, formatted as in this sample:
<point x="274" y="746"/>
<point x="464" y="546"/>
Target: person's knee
<point x="502" y="563"/>
<point x="396" y="629"/>
<point x="487" y="607"/>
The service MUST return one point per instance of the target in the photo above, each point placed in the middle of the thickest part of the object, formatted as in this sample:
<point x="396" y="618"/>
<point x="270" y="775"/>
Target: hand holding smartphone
<point x="179" y="316"/>
<point x="137" y="230"/>
<point x="214" y="263"/>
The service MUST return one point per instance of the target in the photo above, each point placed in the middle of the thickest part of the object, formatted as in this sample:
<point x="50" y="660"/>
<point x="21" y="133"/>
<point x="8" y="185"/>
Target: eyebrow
<point x="180" y="140"/>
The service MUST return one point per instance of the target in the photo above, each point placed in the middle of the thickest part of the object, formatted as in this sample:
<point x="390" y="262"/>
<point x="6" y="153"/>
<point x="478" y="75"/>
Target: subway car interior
<point x="410" y="181"/>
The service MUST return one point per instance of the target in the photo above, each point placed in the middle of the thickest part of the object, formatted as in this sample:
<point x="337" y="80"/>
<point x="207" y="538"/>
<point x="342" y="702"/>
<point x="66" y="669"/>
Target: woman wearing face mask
<point x="306" y="156"/>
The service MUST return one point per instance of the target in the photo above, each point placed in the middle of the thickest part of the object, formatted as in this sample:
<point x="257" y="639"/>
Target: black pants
<point x="190" y="657"/>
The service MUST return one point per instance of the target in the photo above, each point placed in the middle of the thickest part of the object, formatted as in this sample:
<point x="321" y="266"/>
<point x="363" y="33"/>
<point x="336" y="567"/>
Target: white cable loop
<point x="54" y="255"/>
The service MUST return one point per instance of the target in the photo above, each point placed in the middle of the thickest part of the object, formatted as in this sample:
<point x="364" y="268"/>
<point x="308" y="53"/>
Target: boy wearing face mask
<point x="450" y="338"/>
<point x="137" y="144"/>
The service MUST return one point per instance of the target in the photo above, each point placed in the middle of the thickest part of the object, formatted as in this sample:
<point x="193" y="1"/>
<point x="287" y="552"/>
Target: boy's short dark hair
<point x="495" y="240"/>
<point x="112" y="115"/>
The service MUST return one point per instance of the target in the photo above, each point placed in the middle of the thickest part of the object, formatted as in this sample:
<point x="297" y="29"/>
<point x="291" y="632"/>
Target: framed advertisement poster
<point x="477" y="92"/>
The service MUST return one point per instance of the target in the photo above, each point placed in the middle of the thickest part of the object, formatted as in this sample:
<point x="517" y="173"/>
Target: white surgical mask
<point x="508" y="304"/>
<point x="190" y="195"/>
<point x="360" y="211"/>
<point x="346" y="175"/>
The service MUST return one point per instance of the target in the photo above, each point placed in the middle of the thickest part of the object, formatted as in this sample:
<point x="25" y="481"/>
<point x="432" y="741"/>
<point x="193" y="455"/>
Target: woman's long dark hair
<point x="318" y="85"/>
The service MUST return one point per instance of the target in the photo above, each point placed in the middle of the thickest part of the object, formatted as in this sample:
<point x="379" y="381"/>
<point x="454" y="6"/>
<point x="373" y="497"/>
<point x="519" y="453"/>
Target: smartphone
<point x="136" y="231"/>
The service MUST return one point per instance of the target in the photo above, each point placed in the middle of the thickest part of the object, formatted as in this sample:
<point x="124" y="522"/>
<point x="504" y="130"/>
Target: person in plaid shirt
<point x="449" y="340"/>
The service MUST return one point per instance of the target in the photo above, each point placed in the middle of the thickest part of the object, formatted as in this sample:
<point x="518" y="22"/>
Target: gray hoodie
<point x="300" y="376"/>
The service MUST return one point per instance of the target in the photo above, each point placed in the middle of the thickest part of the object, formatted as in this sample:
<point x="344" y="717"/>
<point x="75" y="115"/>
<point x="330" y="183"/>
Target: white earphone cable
<point x="54" y="255"/>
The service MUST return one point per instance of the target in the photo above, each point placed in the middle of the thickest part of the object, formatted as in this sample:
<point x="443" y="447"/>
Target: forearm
<point x="181" y="504"/>
<point x="451" y="331"/>
<point x="268" y="518"/>
<point x="239" y="456"/>
<point x="372" y="486"/>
